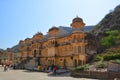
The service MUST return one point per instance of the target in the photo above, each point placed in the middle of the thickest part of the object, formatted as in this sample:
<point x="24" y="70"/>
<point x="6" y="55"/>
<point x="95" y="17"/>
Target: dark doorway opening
<point x="75" y="63"/>
<point x="35" y="53"/>
<point x="65" y="63"/>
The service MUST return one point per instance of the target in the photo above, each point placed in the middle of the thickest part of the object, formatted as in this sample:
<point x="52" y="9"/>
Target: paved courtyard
<point x="27" y="75"/>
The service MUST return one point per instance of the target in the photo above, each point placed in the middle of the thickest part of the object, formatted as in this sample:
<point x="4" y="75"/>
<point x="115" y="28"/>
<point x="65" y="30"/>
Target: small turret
<point x="77" y="23"/>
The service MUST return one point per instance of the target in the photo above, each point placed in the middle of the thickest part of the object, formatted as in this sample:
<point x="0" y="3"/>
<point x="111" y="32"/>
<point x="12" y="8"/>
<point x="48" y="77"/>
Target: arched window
<point x="79" y="49"/>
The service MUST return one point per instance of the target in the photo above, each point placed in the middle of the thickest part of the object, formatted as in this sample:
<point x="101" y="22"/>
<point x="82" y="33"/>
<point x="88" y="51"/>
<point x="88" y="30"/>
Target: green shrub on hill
<point x="100" y="65"/>
<point x="98" y="58"/>
<point x="108" y="41"/>
<point x="107" y="56"/>
<point x="111" y="38"/>
<point x="111" y="56"/>
<point x="116" y="61"/>
<point x="82" y="68"/>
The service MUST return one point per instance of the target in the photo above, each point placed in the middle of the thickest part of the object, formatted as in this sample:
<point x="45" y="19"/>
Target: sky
<point x="20" y="19"/>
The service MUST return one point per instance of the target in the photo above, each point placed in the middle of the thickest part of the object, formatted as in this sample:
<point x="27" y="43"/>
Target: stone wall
<point x="95" y="75"/>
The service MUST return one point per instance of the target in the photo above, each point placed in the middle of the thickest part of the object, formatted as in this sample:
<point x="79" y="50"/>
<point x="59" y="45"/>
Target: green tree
<point x="110" y="39"/>
<point x="113" y="32"/>
<point x="98" y="58"/>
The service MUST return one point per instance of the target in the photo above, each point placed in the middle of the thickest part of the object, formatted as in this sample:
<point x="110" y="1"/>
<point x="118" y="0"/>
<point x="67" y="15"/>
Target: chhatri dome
<point x="77" y="22"/>
<point x="77" y="19"/>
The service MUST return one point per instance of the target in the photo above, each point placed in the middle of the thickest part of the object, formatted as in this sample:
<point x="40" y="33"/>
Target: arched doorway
<point x="64" y="63"/>
<point x="79" y="62"/>
<point x="75" y="63"/>
<point x="35" y="53"/>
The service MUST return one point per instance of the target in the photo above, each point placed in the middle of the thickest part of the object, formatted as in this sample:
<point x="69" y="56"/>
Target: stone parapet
<point x="95" y="75"/>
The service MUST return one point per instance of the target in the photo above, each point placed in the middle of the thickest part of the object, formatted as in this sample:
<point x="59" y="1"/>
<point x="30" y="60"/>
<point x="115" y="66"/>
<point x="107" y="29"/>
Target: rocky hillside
<point x="15" y="48"/>
<point x="107" y="32"/>
<point x="110" y="22"/>
<point x="105" y="35"/>
<point x="1" y="50"/>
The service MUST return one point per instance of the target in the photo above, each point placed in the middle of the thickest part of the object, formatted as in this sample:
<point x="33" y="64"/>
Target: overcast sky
<point x="20" y="19"/>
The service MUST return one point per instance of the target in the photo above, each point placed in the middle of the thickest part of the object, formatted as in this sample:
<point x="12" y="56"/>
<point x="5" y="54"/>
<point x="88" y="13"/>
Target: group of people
<point x="52" y="68"/>
<point x="6" y="67"/>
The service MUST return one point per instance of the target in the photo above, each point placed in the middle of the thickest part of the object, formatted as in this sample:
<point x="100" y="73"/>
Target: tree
<point x="110" y="39"/>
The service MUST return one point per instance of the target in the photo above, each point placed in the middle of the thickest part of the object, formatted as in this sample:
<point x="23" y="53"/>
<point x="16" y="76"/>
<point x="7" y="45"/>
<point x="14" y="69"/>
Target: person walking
<point x="55" y="68"/>
<point x="49" y="69"/>
<point x="39" y="67"/>
<point x="52" y="67"/>
<point x="5" y="68"/>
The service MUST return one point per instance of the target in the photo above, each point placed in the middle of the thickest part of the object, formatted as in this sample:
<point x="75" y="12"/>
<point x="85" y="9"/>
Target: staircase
<point x="21" y="64"/>
<point x="31" y="64"/>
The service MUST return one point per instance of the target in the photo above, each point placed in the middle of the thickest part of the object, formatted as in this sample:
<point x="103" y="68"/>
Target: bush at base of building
<point x="83" y="67"/>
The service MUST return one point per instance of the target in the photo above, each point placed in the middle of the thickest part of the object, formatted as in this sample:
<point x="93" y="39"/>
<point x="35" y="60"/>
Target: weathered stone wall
<point x="95" y="75"/>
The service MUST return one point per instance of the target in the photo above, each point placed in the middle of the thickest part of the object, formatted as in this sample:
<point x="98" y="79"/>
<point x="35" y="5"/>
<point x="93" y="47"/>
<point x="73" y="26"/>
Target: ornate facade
<point x="62" y="46"/>
<point x="7" y="57"/>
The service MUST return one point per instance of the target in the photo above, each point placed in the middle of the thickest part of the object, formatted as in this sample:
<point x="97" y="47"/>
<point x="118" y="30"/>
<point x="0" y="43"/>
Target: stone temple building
<point x="61" y="46"/>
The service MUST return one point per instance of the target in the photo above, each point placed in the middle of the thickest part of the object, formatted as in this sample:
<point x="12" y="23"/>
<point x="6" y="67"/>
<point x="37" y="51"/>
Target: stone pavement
<point x="31" y="75"/>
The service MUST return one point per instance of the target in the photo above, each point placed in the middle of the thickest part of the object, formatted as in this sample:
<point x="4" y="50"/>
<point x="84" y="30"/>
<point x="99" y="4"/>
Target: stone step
<point x="31" y="64"/>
